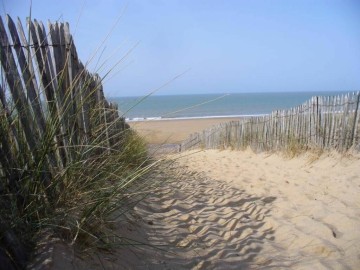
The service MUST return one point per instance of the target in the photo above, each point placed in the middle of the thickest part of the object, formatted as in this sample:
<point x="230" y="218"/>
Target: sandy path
<point x="240" y="210"/>
<point x="315" y="215"/>
<point x="192" y="222"/>
<point x="205" y="224"/>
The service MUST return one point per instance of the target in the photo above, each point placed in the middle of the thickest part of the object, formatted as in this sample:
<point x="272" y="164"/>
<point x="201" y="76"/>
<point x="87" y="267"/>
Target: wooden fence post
<point x="321" y="122"/>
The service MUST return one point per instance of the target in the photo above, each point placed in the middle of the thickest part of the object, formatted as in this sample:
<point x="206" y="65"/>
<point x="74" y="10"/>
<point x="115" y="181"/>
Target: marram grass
<point x="69" y="165"/>
<point x="83" y="195"/>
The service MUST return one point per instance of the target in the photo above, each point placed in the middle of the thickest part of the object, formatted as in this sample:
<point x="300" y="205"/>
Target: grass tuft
<point x="79" y="203"/>
<point x="75" y="177"/>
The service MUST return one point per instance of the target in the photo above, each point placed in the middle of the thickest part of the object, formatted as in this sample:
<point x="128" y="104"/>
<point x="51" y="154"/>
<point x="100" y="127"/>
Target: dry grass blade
<point x="73" y="171"/>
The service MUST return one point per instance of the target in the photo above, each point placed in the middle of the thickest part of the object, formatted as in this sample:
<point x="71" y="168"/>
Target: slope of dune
<point x="239" y="210"/>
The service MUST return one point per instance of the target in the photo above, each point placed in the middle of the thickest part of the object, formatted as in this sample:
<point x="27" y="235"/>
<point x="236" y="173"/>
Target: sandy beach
<point x="173" y="131"/>
<point x="241" y="210"/>
<point x="309" y="207"/>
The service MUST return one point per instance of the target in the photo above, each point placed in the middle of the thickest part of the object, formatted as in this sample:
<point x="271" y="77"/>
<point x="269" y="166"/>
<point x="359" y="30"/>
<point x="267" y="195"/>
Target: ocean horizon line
<point x="210" y="106"/>
<point x="141" y="119"/>
<point x="231" y="93"/>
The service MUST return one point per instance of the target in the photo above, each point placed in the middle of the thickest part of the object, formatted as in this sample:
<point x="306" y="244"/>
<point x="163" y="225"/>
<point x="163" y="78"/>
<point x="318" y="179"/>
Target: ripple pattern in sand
<point x="200" y="223"/>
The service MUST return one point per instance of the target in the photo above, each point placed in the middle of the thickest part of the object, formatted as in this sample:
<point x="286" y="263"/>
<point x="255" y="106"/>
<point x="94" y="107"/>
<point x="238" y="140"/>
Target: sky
<point x="210" y="46"/>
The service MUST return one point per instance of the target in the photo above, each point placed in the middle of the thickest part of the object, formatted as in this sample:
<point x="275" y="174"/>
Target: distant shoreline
<point x="147" y="119"/>
<point x="175" y="130"/>
<point x="208" y="106"/>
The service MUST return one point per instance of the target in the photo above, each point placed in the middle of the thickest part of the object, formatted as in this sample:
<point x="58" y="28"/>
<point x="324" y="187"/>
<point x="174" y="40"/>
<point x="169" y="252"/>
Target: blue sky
<point x="222" y="46"/>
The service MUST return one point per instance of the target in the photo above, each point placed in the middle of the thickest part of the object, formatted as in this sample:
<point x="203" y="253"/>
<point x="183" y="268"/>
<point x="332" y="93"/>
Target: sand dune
<point x="315" y="215"/>
<point x="240" y="210"/>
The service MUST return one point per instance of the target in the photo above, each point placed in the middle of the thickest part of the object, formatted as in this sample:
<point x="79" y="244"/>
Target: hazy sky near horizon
<point x="222" y="46"/>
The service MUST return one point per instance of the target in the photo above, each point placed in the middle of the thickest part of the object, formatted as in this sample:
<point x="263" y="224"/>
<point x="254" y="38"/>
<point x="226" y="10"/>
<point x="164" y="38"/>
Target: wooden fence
<point x="48" y="84"/>
<point x="321" y="122"/>
<point x="51" y="106"/>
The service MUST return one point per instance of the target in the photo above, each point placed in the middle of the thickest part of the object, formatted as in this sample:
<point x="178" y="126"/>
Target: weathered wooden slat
<point x="76" y="83"/>
<point x="28" y="77"/>
<point x="8" y="139"/>
<point x="57" y="104"/>
<point x="47" y="58"/>
<point x="28" y="55"/>
<point x="18" y="93"/>
<point x="56" y="61"/>
<point x="356" y="119"/>
<point x="67" y="95"/>
<point x="30" y="85"/>
<point x="48" y="83"/>
<point x="321" y="122"/>
<point x="14" y="80"/>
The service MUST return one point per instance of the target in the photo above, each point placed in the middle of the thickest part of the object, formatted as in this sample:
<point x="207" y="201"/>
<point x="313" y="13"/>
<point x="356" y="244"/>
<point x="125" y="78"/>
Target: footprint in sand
<point x="215" y="224"/>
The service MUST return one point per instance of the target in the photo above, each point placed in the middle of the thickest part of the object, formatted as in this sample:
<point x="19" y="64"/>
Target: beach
<point x="174" y="131"/>
<point x="241" y="210"/>
<point x="307" y="208"/>
<point x="182" y="135"/>
<point x="225" y="209"/>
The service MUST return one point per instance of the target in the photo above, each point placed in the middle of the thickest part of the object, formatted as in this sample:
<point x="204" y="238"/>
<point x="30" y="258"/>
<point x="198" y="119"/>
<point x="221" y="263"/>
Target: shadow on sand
<point x="200" y="223"/>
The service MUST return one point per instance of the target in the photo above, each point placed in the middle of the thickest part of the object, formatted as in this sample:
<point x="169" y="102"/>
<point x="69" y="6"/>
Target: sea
<point x="162" y="107"/>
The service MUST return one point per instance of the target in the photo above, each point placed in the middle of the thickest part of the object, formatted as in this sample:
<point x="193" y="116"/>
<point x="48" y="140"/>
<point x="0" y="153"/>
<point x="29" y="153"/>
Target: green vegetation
<point x="293" y="147"/>
<point x="69" y="165"/>
<point x="76" y="201"/>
